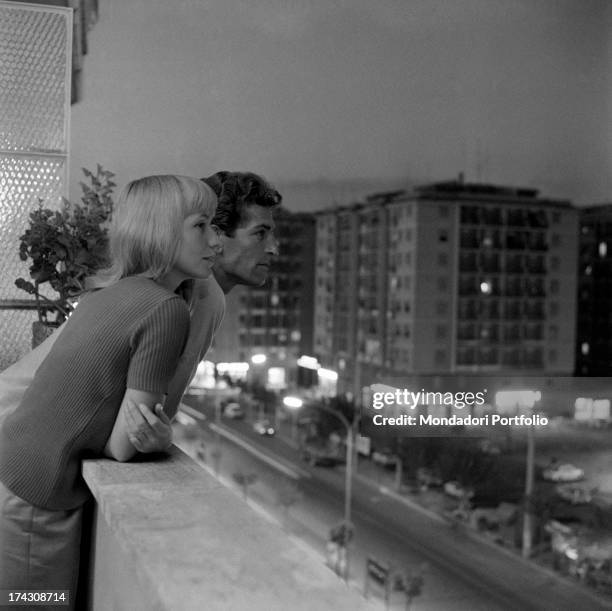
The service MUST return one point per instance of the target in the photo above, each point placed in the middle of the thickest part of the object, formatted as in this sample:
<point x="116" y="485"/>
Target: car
<point x="320" y="457"/>
<point x="486" y="446"/>
<point x="264" y="427"/>
<point x="563" y="473"/>
<point x="457" y="491"/>
<point x="233" y="411"/>
<point x="428" y="477"/>
<point x="576" y="495"/>
<point x="385" y="458"/>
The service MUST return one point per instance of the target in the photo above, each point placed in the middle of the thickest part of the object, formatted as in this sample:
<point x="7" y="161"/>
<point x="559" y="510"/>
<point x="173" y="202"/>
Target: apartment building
<point x="449" y="278"/>
<point x="594" y="315"/>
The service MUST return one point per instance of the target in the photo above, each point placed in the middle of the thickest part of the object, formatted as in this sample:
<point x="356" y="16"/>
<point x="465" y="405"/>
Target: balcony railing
<point x="168" y="536"/>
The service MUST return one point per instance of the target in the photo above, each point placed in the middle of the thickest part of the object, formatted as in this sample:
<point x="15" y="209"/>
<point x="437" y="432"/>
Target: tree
<point x="462" y="461"/>
<point x="328" y="423"/>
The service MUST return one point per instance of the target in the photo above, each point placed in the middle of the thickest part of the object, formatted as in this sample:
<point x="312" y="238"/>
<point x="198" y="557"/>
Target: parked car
<point x="234" y="411"/>
<point x="321" y="457"/>
<point x="563" y="473"/>
<point x="264" y="427"/>
<point x="428" y="478"/>
<point x="457" y="491"/>
<point x="576" y="495"/>
<point x="385" y="458"/>
<point x="486" y="446"/>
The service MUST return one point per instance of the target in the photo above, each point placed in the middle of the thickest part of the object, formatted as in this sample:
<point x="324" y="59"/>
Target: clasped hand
<point x="149" y="430"/>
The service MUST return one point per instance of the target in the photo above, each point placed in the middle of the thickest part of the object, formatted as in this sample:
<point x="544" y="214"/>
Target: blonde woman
<point x="114" y="359"/>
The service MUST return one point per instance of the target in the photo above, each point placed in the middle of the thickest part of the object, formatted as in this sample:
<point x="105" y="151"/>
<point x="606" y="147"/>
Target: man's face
<point x="248" y="254"/>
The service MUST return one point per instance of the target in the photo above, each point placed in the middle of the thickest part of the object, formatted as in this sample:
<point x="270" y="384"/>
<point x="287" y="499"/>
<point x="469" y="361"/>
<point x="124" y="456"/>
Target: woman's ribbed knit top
<point x="128" y="335"/>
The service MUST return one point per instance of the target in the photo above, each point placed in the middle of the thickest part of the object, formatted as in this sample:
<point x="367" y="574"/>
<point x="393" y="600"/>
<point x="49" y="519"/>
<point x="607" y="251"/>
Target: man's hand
<point x="148" y="430"/>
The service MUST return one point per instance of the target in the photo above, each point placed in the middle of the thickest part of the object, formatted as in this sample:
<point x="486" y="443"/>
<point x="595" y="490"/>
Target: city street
<point x="463" y="573"/>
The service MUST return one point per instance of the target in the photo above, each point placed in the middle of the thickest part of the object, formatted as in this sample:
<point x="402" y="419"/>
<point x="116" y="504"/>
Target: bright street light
<point x="328" y="374"/>
<point x="309" y="362"/>
<point x="293" y="402"/>
<point x="258" y="359"/>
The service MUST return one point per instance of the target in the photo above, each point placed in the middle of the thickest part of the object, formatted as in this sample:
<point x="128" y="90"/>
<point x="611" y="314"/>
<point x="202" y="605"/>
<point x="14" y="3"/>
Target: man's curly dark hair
<point x="235" y="192"/>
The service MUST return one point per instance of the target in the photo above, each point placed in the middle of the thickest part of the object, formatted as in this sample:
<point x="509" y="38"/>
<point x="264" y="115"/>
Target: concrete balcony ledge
<point x="168" y="536"/>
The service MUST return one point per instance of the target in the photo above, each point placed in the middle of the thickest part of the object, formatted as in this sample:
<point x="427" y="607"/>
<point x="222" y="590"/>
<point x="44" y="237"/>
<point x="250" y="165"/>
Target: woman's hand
<point x="141" y="426"/>
<point x="149" y="430"/>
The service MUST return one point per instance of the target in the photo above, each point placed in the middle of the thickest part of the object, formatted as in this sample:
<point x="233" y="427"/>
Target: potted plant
<point x="64" y="247"/>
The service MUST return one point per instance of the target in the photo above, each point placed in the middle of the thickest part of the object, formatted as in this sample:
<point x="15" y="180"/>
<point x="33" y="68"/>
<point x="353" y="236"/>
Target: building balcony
<point x="168" y="536"/>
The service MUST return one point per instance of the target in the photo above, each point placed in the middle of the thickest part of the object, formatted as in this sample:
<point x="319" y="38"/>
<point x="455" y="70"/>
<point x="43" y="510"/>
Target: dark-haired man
<point x="244" y="220"/>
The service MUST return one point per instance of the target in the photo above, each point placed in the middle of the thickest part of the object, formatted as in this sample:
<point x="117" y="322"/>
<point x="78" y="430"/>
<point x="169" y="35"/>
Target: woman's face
<point x="199" y="247"/>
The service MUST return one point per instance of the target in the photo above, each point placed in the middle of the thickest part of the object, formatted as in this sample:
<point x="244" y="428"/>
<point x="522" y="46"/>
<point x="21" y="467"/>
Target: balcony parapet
<point x="168" y="536"/>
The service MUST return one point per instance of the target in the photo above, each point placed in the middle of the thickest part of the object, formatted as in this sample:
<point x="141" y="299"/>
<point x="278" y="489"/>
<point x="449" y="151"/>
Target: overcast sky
<point x="342" y="92"/>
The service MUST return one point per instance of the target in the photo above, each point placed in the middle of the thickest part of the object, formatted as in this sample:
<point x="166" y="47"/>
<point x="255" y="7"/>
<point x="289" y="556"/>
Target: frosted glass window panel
<point x="35" y="44"/>
<point x="16" y="333"/>
<point x="35" y="70"/>
<point x="23" y="181"/>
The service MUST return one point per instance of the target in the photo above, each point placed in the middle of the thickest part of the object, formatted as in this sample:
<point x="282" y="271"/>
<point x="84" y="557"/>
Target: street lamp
<point x="258" y="359"/>
<point x="348" y="480"/>
<point x="524" y="399"/>
<point x="293" y="403"/>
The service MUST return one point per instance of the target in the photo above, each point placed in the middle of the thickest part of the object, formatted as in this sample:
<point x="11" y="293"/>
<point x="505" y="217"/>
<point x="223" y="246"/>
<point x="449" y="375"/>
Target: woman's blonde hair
<point x="147" y="224"/>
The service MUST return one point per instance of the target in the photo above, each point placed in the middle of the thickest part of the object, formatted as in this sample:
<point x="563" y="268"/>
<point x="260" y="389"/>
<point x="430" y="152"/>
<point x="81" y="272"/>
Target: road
<point x="463" y="574"/>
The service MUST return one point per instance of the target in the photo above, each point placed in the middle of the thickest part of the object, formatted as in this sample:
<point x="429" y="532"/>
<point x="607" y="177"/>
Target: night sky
<point x="352" y="95"/>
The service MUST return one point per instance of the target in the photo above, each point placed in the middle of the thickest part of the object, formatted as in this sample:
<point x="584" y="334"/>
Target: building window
<point x="602" y="249"/>
<point x="442" y="259"/>
<point x="442" y="235"/>
<point x="440" y="357"/>
<point x="554" y="287"/>
<point x="556" y="240"/>
<point x="442" y="308"/>
<point x="443" y="211"/>
<point x="442" y="283"/>
<point x="441" y="332"/>
<point x="552" y="356"/>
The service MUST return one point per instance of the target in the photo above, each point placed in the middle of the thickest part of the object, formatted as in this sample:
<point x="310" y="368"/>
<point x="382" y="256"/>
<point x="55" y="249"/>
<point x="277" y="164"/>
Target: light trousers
<point x="39" y="548"/>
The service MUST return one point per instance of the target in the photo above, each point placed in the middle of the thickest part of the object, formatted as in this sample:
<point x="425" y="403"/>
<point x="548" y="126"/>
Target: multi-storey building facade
<point x="450" y="278"/>
<point x="276" y="319"/>
<point x="594" y="320"/>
